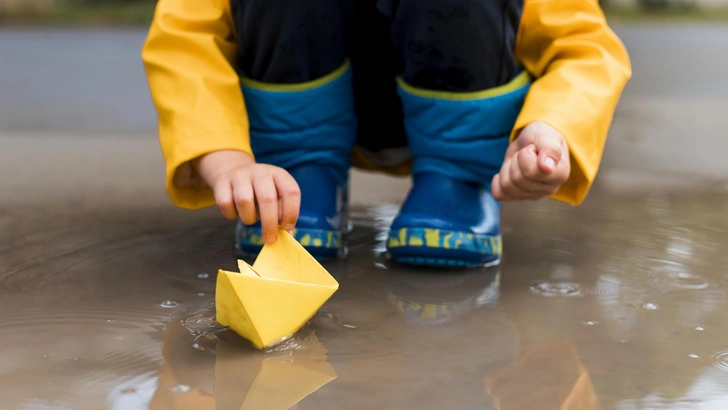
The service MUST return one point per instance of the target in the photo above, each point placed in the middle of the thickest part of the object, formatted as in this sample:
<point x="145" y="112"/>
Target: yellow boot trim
<point x="309" y="85"/>
<point x="519" y="81"/>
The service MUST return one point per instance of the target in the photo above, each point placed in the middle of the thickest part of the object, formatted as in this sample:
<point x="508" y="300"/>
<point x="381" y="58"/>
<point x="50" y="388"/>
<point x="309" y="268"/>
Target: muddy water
<point x="619" y="304"/>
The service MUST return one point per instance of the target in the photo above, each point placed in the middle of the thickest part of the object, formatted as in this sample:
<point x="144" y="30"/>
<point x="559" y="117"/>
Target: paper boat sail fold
<point x="275" y="297"/>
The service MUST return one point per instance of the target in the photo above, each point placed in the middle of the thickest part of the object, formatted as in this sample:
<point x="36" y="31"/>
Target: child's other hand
<point x="247" y="190"/>
<point x="536" y="165"/>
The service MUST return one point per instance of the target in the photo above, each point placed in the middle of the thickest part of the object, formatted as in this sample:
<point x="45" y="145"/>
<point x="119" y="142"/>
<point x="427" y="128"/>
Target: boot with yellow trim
<point x="308" y="129"/>
<point x="446" y="222"/>
<point x="297" y="83"/>
<point x="458" y="142"/>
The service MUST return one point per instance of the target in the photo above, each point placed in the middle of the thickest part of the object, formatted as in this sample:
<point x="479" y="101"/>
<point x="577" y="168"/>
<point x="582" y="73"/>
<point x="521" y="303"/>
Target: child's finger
<point x="528" y="163"/>
<point x="536" y="182"/>
<point x="521" y="170"/>
<point x="549" y="154"/>
<point x="509" y="189"/>
<point x="290" y="195"/>
<point x="495" y="189"/>
<point x="223" y="192"/>
<point x="513" y="147"/>
<point x="266" y="196"/>
<point x="244" y="199"/>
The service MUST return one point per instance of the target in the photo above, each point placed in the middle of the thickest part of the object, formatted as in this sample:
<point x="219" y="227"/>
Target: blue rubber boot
<point x="458" y="142"/>
<point x="309" y="130"/>
<point x="445" y="222"/>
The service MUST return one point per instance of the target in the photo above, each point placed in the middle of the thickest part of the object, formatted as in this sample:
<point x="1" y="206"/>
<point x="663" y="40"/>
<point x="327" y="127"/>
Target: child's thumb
<point x="548" y="158"/>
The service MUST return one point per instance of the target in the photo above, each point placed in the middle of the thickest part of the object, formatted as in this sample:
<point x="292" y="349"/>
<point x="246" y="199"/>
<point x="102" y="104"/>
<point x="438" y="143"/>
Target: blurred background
<point x="99" y="12"/>
<point x="137" y="12"/>
<point x="74" y="66"/>
<point x="117" y="12"/>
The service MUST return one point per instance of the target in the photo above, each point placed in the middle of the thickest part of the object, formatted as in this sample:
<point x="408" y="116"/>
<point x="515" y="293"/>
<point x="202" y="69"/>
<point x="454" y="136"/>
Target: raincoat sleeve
<point x="581" y="68"/>
<point x="188" y="56"/>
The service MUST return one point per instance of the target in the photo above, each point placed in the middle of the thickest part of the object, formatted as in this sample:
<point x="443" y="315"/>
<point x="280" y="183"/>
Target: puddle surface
<point x="611" y="306"/>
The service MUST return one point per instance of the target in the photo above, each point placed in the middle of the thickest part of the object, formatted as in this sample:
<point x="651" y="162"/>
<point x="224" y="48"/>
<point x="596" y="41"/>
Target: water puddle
<point x="626" y="294"/>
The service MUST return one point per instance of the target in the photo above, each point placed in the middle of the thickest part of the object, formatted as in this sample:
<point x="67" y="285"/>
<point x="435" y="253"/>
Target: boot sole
<point x="442" y="248"/>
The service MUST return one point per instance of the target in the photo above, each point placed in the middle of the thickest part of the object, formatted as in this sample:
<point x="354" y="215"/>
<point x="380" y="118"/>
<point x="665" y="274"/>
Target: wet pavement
<point x="107" y="291"/>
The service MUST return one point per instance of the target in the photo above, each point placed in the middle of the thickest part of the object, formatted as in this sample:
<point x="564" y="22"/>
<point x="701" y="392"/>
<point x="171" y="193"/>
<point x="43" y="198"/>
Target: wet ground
<point x="106" y="290"/>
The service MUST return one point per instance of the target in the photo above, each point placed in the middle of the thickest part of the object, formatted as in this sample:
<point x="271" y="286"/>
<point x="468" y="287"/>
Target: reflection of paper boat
<point x="230" y="376"/>
<point x="247" y="381"/>
<point x="275" y="297"/>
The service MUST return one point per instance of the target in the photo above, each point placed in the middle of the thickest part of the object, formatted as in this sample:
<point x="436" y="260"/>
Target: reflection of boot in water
<point x="548" y="377"/>
<point x="437" y="338"/>
<point x="227" y="374"/>
<point x="438" y="297"/>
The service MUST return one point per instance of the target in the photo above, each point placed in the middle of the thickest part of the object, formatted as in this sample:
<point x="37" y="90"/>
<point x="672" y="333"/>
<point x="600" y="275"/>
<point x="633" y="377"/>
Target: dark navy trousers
<point x="444" y="45"/>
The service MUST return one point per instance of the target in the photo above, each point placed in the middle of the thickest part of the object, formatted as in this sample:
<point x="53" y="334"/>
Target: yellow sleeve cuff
<point x="185" y="186"/>
<point x="581" y="68"/>
<point x="189" y="56"/>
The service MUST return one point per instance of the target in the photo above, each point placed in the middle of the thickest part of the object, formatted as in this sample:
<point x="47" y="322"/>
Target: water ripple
<point x="557" y="289"/>
<point x="677" y="275"/>
<point x="719" y="360"/>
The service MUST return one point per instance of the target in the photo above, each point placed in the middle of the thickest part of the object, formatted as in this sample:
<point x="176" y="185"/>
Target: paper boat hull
<point x="275" y="297"/>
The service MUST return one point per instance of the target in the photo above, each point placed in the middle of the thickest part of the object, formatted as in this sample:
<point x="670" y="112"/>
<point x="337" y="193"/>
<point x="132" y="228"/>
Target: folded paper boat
<point x="271" y="300"/>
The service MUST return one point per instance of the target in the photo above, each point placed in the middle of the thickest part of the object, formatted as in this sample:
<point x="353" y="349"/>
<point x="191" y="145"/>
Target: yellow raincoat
<point x="579" y="64"/>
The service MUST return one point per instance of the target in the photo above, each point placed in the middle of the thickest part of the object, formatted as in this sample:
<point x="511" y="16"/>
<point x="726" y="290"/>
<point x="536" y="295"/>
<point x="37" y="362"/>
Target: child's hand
<point x="250" y="191"/>
<point x="536" y="165"/>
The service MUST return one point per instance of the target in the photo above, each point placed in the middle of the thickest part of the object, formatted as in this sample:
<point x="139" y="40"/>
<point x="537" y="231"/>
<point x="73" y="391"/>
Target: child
<point x="264" y="106"/>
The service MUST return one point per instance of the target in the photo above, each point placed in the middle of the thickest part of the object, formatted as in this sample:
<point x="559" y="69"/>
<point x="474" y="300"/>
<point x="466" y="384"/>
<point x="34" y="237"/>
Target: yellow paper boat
<point x="271" y="300"/>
